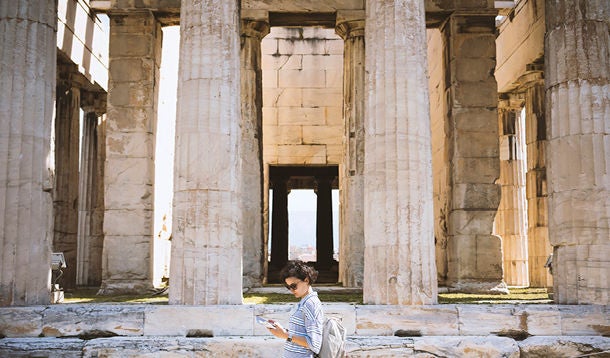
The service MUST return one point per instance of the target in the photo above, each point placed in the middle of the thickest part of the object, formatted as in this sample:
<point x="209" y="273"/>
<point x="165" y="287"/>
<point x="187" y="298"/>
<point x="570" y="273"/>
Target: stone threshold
<point x="131" y="320"/>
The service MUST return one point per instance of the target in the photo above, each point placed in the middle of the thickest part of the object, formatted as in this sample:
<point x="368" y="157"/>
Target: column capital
<point x="350" y="23"/>
<point x="255" y="23"/>
<point x="511" y="101"/>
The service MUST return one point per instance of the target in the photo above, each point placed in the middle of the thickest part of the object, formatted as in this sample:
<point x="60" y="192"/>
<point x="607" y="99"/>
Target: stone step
<point x="372" y="346"/>
<point x="517" y="321"/>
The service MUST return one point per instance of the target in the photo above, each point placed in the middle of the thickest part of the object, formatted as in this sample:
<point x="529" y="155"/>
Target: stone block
<point x="560" y="346"/>
<point x="334" y="153"/>
<point x="269" y="116"/>
<point x="334" y="46"/>
<point x="313" y="78"/>
<point x="130" y="170"/>
<point x="477" y="258"/>
<point x="373" y="320"/>
<point x="300" y="116"/>
<point x="475" y="94"/>
<point x="269" y="46"/>
<point x="21" y="321"/>
<point x="475" y="120"/>
<point x="323" y="135"/>
<point x="130" y="258"/>
<point x="128" y="196"/>
<point x="301" y="47"/>
<point x="290" y="97"/>
<point x="476" y="196"/>
<point x="270" y="80"/>
<point x="87" y="319"/>
<point x="178" y="320"/>
<point x="302" y="154"/>
<point x="482" y="320"/>
<point x="334" y="116"/>
<point x="334" y="78"/>
<point x="322" y="97"/>
<point x="476" y="170"/>
<point x="275" y="135"/>
<point x="131" y="45"/>
<point x="131" y="69"/>
<point x="282" y="62"/>
<point x="42" y="347"/>
<point x="540" y="320"/>
<point x="476" y="145"/>
<point x="325" y="62"/>
<point x="126" y="119"/>
<point x="471" y="222"/>
<point x="474" y="69"/>
<point x="134" y="144"/>
<point x="466" y="347"/>
<point x="588" y="320"/>
<point x="128" y="222"/>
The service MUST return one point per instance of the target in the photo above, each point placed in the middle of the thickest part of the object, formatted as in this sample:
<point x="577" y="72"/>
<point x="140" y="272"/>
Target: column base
<point x="125" y="288"/>
<point x="471" y="286"/>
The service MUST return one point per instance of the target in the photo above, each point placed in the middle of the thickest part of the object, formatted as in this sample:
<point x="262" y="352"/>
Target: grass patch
<point x="517" y="295"/>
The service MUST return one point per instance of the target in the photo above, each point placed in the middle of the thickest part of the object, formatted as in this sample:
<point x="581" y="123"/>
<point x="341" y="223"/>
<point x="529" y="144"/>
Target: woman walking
<point x="305" y="325"/>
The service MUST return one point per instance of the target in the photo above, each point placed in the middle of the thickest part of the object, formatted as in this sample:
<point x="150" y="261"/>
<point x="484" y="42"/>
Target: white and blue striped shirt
<point x="306" y="320"/>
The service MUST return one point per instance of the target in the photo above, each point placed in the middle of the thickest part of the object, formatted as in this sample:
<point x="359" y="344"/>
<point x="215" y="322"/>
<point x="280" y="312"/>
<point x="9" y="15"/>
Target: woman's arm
<point x="281" y="332"/>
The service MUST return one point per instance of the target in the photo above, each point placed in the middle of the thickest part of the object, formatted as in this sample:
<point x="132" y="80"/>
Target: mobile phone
<point x="264" y="322"/>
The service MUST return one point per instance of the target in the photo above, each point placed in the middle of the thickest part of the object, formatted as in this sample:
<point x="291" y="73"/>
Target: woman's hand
<point x="278" y="331"/>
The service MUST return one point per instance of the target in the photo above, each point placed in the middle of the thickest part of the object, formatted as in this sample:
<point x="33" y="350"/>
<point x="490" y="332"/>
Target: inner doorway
<point x="322" y="180"/>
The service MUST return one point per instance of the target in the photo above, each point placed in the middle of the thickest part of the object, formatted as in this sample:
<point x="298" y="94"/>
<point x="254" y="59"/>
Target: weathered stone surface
<point x="213" y="320"/>
<point x="21" y="321"/>
<point x="565" y="347"/>
<point x="411" y="321"/>
<point x="465" y="347"/>
<point x="84" y="320"/>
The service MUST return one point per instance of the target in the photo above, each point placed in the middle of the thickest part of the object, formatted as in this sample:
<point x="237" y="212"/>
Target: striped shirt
<point x="306" y="320"/>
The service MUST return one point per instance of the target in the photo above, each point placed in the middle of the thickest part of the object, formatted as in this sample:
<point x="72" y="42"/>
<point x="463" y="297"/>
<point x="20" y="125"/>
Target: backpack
<point x="333" y="339"/>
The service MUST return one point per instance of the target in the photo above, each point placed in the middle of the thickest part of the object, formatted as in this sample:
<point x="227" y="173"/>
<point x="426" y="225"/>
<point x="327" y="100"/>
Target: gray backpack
<point x="333" y="339"/>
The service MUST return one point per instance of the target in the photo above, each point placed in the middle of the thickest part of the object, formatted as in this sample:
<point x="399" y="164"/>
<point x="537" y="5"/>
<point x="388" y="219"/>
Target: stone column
<point x="474" y="255"/>
<point x="577" y="79"/>
<point x="279" y="224"/>
<point x="324" y="223"/>
<point x="539" y="247"/>
<point x="206" y="261"/>
<point x="251" y="148"/>
<point x="511" y="220"/>
<point x="65" y="193"/>
<point x="27" y="83"/>
<point x="350" y="26"/>
<point x="135" y="56"/>
<point x="91" y="198"/>
<point x="399" y="265"/>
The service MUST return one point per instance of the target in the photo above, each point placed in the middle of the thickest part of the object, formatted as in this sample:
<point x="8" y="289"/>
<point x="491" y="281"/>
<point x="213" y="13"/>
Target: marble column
<point x="135" y="57"/>
<point x="474" y="254"/>
<point x="324" y="223"/>
<point x="251" y="148"/>
<point x="539" y="247"/>
<point x="279" y="224"/>
<point x="91" y="198"/>
<point x="350" y="26"/>
<point x="206" y="259"/>
<point x="511" y="220"/>
<point x="65" y="193"/>
<point x="27" y="83"/>
<point x="577" y="82"/>
<point x="399" y="264"/>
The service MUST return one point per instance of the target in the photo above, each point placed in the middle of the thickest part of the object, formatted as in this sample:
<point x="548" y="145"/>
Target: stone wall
<point x="302" y="96"/>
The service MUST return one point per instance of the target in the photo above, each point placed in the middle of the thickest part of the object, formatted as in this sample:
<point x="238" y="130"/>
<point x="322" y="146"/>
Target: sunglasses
<point x="293" y="286"/>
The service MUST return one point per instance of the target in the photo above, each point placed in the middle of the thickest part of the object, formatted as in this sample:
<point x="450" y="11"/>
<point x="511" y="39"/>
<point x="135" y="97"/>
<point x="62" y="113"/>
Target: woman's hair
<point x="300" y="270"/>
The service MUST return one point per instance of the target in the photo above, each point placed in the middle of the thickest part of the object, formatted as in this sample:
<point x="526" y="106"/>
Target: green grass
<point x="517" y="295"/>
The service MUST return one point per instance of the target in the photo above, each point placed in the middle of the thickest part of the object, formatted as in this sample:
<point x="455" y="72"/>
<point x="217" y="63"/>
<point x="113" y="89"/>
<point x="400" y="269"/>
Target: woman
<point x="304" y="334"/>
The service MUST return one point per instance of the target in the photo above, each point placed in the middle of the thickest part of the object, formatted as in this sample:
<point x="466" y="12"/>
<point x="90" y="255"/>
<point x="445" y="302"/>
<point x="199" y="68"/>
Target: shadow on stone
<point x="407" y="333"/>
<point x="199" y="333"/>
<point x="95" y="333"/>
<point x="517" y="335"/>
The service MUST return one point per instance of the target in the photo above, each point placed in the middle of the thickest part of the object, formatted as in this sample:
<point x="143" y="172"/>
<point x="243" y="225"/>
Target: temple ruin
<point x="467" y="140"/>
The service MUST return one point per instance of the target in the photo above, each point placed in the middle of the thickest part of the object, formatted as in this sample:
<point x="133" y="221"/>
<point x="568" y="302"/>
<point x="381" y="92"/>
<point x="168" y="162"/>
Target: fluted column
<point x="511" y="220"/>
<point x="251" y="148"/>
<point x="539" y="247"/>
<point x="474" y="254"/>
<point x="577" y="79"/>
<point x="206" y="260"/>
<point x="91" y="198"/>
<point x="350" y="26"/>
<point x="399" y="265"/>
<point x="65" y="193"/>
<point x="135" y="57"/>
<point x="27" y="83"/>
